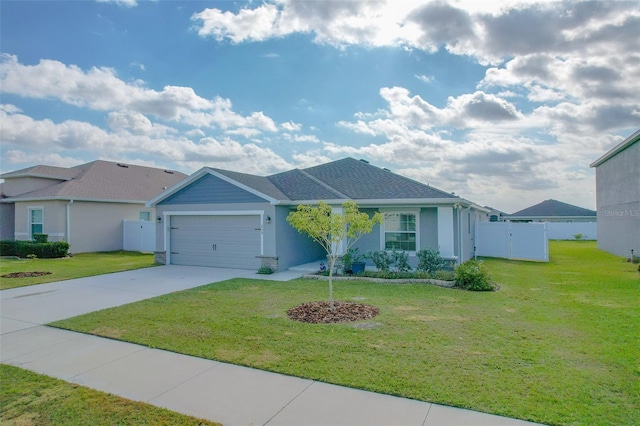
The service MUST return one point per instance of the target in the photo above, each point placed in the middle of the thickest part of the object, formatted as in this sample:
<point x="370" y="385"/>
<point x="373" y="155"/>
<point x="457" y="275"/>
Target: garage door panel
<point x="217" y="241"/>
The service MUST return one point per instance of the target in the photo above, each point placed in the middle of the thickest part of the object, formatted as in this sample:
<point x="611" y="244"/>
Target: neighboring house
<point x="83" y="205"/>
<point x="229" y="219"/>
<point x="618" y="197"/>
<point x="552" y="211"/>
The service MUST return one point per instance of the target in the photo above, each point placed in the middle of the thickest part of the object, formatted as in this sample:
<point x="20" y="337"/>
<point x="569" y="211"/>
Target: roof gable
<point x="553" y="208"/>
<point x="210" y="189"/>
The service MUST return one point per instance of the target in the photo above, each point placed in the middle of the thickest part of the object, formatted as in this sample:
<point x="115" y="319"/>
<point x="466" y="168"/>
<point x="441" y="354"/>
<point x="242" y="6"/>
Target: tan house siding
<point x="98" y="226"/>
<point x="54" y="223"/>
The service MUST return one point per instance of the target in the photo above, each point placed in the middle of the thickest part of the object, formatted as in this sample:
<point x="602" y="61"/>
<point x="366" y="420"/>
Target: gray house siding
<point x="429" y="228"/>
<point x="210" y="190"/>
<point x="618" y="201"/>
<point x="294" y="248"/>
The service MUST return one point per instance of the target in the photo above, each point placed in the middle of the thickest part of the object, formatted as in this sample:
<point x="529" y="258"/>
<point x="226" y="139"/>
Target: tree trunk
<point x="332" y="263"/>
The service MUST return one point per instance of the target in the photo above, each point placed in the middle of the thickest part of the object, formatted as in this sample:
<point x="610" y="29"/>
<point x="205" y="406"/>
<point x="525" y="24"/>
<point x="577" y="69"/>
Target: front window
<point x="36" y="221"/>
<point x="400" y="231"/>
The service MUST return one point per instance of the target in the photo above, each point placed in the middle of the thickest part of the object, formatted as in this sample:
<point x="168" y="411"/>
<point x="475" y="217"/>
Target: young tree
<point x="330" y="229"/>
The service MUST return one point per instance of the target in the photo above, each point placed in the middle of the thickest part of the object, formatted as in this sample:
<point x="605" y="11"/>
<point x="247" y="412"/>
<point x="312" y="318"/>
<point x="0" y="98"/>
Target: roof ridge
<point x="323" y="184"/>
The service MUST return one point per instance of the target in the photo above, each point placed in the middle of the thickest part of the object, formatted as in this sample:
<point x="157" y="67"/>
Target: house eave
<point x="33" y="175"/>
<point x="617" y="149"/>
<point x="96" y="200"/>
<point x="396" y="202"/>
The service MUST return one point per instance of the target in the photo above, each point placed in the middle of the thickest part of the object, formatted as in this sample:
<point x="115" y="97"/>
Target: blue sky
<point x="504" y="103"/>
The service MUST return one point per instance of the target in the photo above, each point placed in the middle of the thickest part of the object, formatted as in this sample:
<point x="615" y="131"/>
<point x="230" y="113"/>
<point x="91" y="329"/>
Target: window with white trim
<point x="145" y="216"/>
<point x="36" y="221"/>
<point x="400" y="231"/>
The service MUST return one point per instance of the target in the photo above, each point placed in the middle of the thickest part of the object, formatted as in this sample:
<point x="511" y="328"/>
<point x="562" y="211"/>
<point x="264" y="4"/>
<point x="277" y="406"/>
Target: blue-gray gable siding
<point x="210" y="189"/>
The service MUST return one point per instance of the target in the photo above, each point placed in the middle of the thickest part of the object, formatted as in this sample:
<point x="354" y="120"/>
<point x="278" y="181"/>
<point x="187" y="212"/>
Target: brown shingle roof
<point x="102" y="180"/>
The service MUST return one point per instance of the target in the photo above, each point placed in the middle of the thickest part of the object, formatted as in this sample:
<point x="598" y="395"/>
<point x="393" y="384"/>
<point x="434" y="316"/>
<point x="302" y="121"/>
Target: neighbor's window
<point x="400" y="231"/>
<point x="145" y="216"/>
<point x="36" y="221"/>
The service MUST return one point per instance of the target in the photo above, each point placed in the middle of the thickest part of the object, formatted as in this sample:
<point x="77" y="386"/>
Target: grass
<point x="33" y="399"/>
<point x="557" y="344"/>
<point x="77" y="266"/>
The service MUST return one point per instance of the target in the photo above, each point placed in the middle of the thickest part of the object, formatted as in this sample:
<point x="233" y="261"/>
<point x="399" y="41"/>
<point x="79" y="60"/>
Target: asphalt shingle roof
<point x="551" y="208"/>
<point x="359" y="180"/>
<point x="102" y="180"/>
<point x="342" y="179"/>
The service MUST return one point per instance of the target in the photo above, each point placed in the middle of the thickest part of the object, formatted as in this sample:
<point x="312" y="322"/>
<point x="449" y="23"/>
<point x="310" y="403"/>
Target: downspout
<point x="69" y="221"/>
<point x="460" y="239"/>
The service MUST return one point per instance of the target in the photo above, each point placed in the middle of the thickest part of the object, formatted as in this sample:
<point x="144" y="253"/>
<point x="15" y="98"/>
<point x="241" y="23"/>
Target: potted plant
<point x="356" y="266"/>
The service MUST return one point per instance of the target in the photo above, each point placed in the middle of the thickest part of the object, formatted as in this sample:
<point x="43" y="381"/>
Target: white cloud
<point x="100" y="89"/>
<point x="21" y="133"/>
<point x="125" y="3"/>
<point x="424" y="78"/>
<point x="290" y="126"/>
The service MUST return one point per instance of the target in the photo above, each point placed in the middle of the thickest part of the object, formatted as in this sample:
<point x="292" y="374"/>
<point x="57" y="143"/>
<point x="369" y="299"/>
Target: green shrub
<point x="266" y="270"/>
<point x="473" y="275"/>
<point x="401" y="260"/>
<point x="429" y="260"/>
<point x="40" y="238"/>
<point x="381" y="259"/>
<point x="40" y="250"/>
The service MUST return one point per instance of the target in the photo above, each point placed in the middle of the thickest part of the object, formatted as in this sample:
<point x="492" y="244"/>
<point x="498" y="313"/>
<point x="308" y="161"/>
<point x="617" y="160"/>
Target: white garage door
<point x="216" y="241"/>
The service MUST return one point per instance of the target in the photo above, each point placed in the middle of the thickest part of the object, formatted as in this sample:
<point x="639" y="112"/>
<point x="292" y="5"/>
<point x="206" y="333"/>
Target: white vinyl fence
<point x="526" y="241"/>
<point x="139" y="236"/>
<point x="569" y="230"/>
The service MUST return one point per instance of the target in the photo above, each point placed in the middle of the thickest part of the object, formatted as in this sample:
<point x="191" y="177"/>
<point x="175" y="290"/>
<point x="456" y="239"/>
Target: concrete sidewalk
<point x="225" y="393"/>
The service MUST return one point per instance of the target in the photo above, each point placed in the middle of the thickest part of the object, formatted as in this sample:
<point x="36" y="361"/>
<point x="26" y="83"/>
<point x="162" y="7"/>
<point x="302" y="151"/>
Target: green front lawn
<point x="77" y="266"/>
<point x="28" y="398"/>
<point x="557" y="344"/>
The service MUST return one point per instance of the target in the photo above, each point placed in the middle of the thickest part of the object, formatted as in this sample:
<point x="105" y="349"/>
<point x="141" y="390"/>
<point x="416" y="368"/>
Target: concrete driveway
<point x="29" y="306"/>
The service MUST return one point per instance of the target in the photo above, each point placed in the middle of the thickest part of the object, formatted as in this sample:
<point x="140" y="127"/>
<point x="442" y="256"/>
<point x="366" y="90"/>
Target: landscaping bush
<point x="266" y="270"/>
<point x="473" y="275"/>
<point x="381" y="259"/>
<point x="429" y="260"/>
<point x="401" y="260"/>
<point x="40" y="250"/>
<point x="40" y="238"/>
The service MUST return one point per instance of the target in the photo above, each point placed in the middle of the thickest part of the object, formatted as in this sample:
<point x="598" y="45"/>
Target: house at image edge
<point x="618" y="197"/>
<point x="83" y="205"/>
<point x="228" y="219"/>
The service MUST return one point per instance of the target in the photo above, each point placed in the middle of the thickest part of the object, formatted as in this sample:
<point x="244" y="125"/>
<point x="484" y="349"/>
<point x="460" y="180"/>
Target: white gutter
<point x="55" y="198"/>
<point x="388" y="202"/>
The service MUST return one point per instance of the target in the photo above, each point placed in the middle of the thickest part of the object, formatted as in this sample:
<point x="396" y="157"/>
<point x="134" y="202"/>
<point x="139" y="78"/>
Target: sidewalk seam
<point x="289" y="403"/>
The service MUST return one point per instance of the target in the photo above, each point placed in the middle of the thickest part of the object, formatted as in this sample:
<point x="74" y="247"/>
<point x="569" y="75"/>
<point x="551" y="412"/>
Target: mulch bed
<point x="320" y="312"/>
<point x="24" y="274"/>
